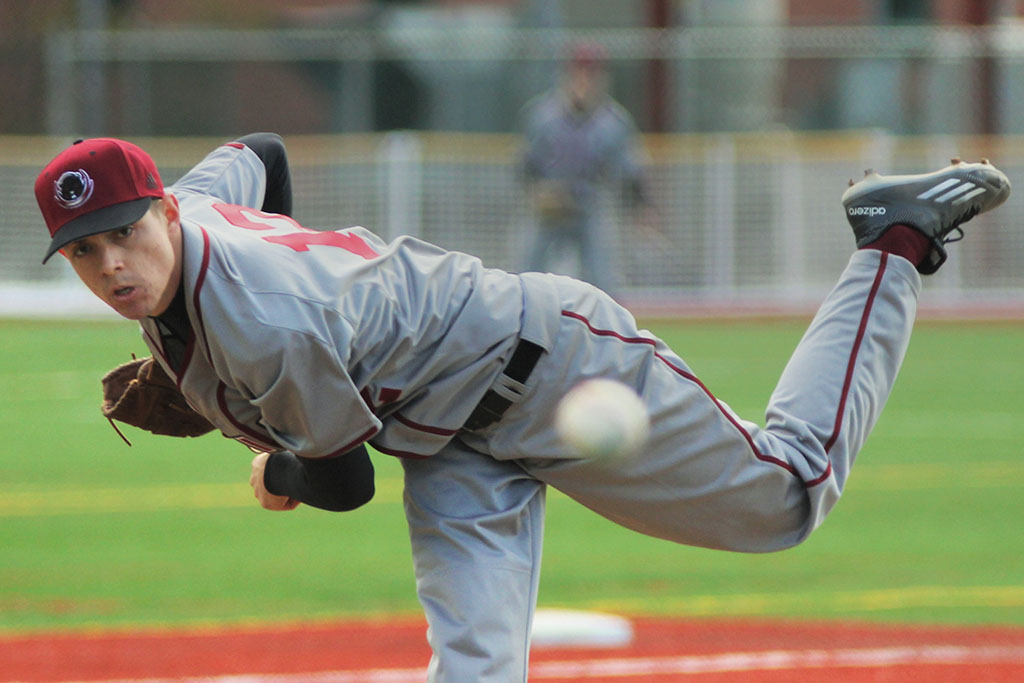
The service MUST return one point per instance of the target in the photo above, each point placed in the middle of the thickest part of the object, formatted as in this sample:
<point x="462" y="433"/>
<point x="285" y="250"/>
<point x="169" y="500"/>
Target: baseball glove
<point x="141" y="394"/>
<point x="553" y="200"/>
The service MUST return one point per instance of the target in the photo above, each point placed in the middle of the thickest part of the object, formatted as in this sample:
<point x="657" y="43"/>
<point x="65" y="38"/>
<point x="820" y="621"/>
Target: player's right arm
<point x="269" y="147"/>
<point x="251" y="171"/>
<point x="339" y="483"/>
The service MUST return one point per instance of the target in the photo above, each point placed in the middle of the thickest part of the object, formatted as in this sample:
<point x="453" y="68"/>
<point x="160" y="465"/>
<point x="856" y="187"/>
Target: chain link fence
<point x="743" y="222"/>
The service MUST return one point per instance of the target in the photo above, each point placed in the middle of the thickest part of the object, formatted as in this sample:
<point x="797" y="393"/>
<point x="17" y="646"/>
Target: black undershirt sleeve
<point x="341" y="483"/>
<point x="269" y="147"/>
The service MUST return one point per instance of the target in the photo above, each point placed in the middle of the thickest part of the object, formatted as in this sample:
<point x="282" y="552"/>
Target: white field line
<point x="638" y="667"/>
<point x="776" y="660"/>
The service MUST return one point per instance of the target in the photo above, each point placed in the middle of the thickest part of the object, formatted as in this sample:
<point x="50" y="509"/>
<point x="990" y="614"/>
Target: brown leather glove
<point x="141" y="394"/>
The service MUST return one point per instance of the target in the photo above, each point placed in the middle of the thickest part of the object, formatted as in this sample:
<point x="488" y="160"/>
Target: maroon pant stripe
<point x="856" y="350"/>
<point x="691" y="378"/>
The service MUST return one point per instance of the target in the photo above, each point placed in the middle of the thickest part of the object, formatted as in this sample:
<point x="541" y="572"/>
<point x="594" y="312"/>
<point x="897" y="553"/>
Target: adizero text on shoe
<point x="932" y="203"/>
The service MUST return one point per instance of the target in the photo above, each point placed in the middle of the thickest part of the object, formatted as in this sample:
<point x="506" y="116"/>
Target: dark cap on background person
<point x="94" y="186"/>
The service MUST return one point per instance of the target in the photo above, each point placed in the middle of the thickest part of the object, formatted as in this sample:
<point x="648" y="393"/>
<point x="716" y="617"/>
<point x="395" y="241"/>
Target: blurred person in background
<point x="579" y="143"/>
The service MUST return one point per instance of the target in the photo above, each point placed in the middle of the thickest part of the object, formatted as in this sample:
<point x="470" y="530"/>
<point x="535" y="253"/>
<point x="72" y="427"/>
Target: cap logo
<point x="72" y="189"/>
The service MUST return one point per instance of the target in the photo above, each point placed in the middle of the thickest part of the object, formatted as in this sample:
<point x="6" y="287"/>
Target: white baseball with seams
<point x="602" y="418"/>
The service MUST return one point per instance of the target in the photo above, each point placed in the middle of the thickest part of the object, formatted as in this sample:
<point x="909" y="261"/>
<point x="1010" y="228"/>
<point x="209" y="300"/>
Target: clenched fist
<point x="267" y="499"/>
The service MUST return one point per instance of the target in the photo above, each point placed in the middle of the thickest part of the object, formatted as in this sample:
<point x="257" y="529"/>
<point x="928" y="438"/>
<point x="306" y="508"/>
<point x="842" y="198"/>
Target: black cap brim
<point x="95" y="222"/>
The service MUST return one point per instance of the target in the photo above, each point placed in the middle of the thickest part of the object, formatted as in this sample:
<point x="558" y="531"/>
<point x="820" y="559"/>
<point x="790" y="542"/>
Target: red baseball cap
<point x="94" y="186"/>
<point x="588" y="54"/>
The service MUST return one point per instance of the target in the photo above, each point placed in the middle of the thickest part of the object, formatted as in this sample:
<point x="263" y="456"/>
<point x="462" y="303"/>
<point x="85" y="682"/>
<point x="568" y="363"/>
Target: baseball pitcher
<point x="308" y="345"/>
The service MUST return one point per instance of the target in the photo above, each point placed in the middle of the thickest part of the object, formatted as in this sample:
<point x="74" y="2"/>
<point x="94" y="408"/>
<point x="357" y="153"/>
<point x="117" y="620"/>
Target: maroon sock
<point x="902" y="240"/>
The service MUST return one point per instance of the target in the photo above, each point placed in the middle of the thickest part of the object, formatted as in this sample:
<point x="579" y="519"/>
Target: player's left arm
<point x="632" y="162"/>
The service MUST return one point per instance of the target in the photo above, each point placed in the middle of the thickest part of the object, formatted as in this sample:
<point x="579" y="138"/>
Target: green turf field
<point x="93" y="532"/>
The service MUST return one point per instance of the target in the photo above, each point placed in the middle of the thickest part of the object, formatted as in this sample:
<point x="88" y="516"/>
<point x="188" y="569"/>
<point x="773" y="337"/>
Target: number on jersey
<point x="300" y="238"/>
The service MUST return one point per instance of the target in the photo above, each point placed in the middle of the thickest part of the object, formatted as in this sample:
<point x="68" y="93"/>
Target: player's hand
<point x="267" y="499"/>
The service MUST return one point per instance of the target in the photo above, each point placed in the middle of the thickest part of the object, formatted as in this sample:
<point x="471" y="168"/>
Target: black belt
<point x="493" y="405"/>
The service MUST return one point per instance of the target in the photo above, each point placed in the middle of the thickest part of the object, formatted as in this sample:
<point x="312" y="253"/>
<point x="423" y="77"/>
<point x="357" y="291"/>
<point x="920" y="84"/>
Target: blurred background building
<point x="149" y="67"/>
<point x="404" y="117"/>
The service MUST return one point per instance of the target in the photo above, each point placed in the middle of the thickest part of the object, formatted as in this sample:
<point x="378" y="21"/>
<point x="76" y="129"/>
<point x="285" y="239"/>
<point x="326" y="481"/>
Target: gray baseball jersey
<point x="583" y="150"/>
<point x="317" y="341"/>
<point x="314" y="342"/>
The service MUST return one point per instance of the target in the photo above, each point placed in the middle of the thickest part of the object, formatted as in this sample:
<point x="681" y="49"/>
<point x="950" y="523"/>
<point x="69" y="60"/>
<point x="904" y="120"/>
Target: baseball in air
<point x="602" y="418"/>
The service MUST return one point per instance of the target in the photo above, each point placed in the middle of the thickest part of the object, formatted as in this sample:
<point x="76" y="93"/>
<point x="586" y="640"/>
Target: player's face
<point x="135" y="269"/>
<point x="586" y="84"/>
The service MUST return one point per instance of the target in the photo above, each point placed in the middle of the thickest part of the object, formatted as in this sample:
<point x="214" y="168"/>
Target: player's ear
<point x="172" y="212"/>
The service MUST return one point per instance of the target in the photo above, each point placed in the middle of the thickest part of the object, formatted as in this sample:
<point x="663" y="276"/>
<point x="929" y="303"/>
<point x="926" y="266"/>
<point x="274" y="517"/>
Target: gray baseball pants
<point x="707" y="477"/>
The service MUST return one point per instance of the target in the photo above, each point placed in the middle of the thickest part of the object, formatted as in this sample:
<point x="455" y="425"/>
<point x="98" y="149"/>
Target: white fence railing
<point x="745" y="222"/>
